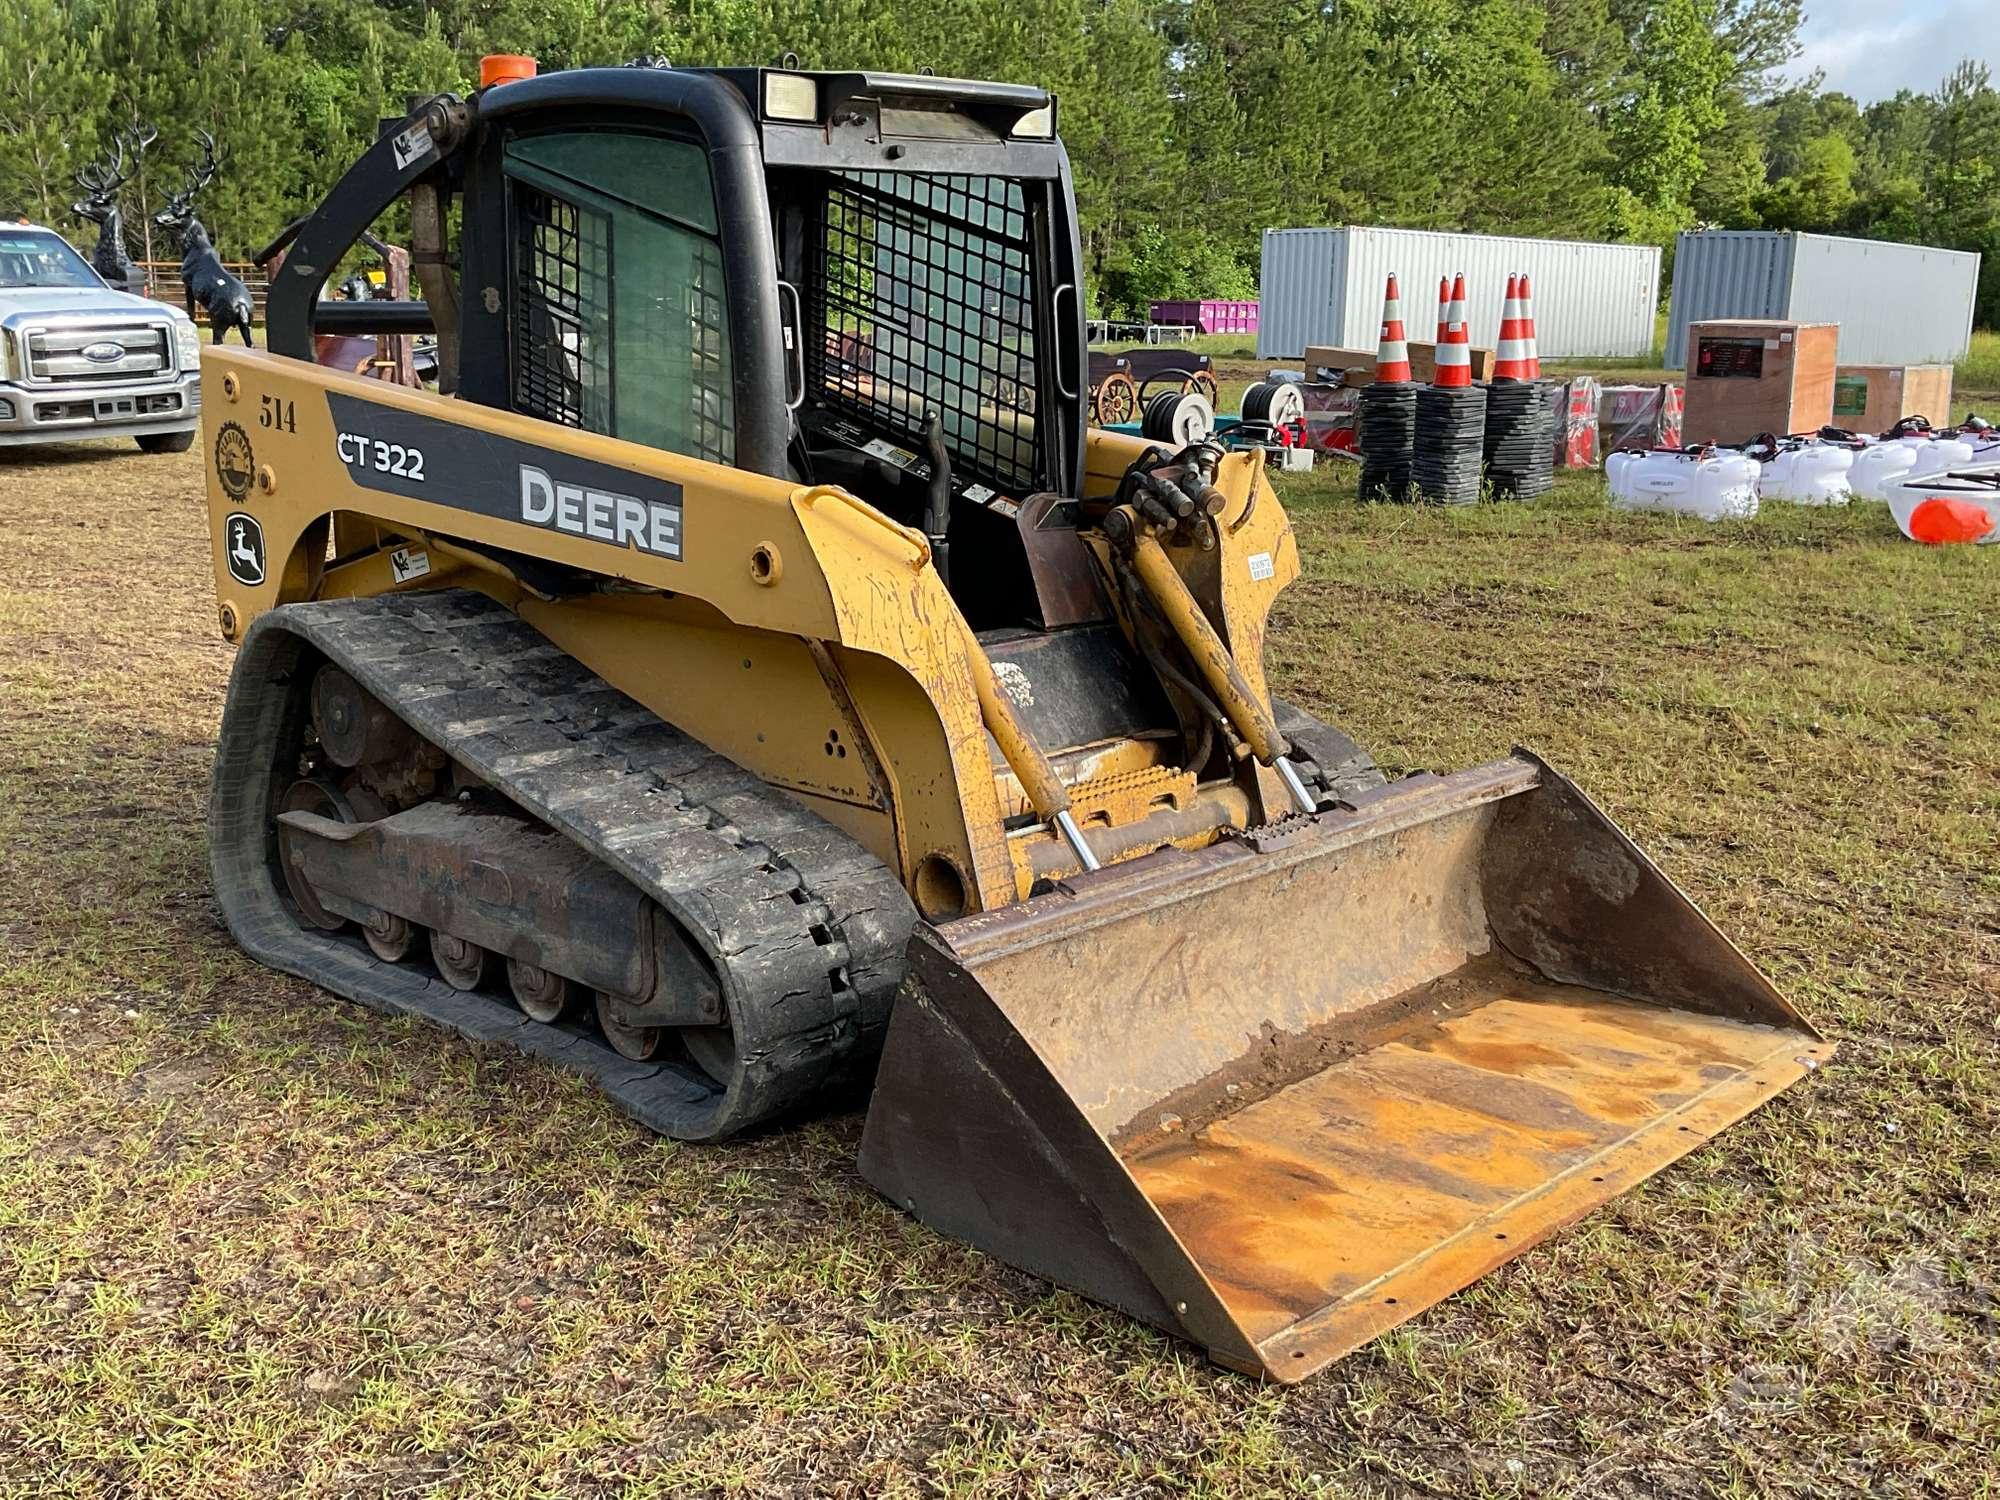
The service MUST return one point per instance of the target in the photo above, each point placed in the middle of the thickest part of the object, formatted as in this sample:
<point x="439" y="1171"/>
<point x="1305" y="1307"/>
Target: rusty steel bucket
<point x="1280" y="1094"/>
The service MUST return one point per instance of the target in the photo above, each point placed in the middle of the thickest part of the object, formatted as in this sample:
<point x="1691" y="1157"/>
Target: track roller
<point x="390" y="937"/>
<point x="462" y="965"/>
<point x="542" y="996"/>
<point x="636" y="1042"/>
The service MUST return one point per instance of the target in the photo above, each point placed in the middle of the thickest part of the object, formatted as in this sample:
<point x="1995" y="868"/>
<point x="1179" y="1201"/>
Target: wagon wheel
<point x="1116" y="399"/>
<point x="1202" y="384"/>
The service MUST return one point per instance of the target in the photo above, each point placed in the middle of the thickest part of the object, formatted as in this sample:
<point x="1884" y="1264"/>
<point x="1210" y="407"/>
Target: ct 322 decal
<point x="398" y="452"/>
<point x="359" y="451"/>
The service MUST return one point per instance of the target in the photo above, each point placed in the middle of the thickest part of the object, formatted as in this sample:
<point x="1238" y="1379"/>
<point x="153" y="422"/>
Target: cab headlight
<point x="187" y="340"/>
<point x="791" y="96"/>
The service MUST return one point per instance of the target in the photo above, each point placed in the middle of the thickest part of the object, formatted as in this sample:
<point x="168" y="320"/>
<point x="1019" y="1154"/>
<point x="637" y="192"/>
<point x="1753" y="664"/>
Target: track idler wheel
<point x="462" y="965"/>
<point x="639" y="1043"/>
<point x="542" y="996"/>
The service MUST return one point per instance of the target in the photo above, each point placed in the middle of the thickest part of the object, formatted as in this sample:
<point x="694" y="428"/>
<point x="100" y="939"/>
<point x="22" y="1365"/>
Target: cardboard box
<point x="1747" y="376"/>
<point x="1360" y="363"/>
<point x="1873" y="398"/>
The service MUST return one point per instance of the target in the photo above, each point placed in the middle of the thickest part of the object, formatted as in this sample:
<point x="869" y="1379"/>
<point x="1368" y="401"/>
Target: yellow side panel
<point x="274" y="455"/>
<point x="768" y="572"/>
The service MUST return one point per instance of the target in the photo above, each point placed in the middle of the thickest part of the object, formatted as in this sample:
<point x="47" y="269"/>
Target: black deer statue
<point x="203" y="276"/>
<point x="101" y="184"/>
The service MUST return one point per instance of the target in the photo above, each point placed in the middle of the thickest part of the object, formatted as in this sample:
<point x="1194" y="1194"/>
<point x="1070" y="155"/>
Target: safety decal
<point x="412" y="146"/>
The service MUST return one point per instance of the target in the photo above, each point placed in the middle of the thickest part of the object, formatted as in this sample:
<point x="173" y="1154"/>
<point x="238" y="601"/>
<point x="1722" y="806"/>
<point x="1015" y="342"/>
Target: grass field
<point x="254" y="1241"/>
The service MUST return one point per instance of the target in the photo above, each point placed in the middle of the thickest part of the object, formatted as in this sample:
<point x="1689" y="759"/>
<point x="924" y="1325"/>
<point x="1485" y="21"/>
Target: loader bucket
<point x="1280" y="1094"/>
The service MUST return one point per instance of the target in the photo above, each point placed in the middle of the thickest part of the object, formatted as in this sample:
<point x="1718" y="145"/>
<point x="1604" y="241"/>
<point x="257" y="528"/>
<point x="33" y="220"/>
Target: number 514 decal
<point x="359" y="451"/>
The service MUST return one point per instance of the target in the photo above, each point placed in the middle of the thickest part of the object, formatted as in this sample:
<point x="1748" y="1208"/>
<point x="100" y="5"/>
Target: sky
<point x="1871" y="48"/>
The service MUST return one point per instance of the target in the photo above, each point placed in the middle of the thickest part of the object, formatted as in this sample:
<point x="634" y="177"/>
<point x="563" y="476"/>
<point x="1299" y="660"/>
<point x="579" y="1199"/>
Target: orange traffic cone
<point x="1392" y="355"/>
<point x="1510" y="353"/>
<point x="1534" y="355"/>
<point x="1454" y="347"/>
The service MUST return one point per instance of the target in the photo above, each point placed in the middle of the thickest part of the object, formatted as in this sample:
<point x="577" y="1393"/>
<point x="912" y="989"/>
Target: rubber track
<point x="805" y="927"/>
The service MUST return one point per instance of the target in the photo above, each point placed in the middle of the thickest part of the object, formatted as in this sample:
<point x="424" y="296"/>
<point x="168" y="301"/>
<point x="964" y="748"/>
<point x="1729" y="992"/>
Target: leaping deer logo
<point x="246" y="549"/>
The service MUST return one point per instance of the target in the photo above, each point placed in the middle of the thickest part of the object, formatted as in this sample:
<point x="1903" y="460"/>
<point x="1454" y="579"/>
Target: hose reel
<point x="1177" y="417"/>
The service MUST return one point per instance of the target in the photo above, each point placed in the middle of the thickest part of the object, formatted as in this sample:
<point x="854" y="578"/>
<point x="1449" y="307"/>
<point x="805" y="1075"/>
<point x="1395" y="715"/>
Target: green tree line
<point x="1193" y="124"/>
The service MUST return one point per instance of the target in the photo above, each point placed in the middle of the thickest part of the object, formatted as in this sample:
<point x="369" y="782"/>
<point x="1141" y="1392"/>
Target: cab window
<point x="620" y="324"/>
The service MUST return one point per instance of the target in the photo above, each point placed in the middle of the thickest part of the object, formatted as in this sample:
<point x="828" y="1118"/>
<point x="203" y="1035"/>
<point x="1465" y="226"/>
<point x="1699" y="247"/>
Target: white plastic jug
<point x="1903" y="458"/>
<point x="1709" y="483"/>
<point x="1810" y="474"/>
<point x="1617" y="469"/>
<point x="1949" y="506"/>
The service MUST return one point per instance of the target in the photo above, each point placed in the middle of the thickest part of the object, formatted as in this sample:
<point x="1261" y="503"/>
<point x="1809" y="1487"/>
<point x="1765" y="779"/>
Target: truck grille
<point x="56" y="355"/>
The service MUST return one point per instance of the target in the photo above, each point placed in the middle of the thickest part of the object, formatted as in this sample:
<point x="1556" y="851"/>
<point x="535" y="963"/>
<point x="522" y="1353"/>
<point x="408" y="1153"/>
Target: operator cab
<point x="857" y="279"/>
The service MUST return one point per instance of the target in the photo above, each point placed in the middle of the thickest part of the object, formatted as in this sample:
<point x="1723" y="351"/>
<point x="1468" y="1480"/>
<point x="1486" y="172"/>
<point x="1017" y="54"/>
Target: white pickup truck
<point x="78" y="360"/>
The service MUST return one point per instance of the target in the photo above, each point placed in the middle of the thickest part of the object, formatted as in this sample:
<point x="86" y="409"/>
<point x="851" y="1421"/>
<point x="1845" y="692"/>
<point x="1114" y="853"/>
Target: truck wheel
<point x="166" y="442"/>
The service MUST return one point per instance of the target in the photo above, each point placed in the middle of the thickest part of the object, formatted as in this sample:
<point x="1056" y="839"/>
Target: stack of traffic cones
<point x="1451" y="411"/>
<point x="1454" y="342"/>
<point x="1388" y="410"/>
<point x="1510" y="351"/>
<point x="1392" y="353"/>
<point x="1519" y="448"/>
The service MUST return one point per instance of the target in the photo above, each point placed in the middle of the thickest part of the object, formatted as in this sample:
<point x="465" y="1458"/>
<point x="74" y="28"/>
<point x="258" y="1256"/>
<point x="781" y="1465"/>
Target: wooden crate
<point x="1360" y="363"/>
<point x="1747" y="376"/>
<point x="1873" y="398"/>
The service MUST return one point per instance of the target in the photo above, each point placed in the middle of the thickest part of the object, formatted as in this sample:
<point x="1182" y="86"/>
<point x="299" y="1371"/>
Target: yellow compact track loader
<point x="746" y="677"/>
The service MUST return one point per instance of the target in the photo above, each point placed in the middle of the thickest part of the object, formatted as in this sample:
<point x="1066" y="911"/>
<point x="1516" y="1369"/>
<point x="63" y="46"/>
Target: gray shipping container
<point x="1324" y="286"/>
<point x="1895" y="304"/>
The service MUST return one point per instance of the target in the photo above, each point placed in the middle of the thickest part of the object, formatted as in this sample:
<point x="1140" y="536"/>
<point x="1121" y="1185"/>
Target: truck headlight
<point x="187" y="340"/>
<point x="6" y="355"/>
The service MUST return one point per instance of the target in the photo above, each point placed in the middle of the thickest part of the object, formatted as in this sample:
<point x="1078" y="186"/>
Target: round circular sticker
<point x="235" y="465"/>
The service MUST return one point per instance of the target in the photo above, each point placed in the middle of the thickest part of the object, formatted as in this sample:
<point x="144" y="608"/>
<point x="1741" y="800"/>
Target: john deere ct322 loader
<point x="746" y="676"/>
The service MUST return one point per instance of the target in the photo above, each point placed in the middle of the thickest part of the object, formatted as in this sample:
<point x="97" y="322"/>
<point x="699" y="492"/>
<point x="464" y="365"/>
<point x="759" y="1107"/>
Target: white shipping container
<point x="1895" y="304"/>
<point x="1324" y="286"/>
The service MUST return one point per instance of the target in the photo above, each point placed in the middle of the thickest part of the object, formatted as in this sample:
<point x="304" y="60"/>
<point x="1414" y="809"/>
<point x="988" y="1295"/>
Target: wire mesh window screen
<point x="562" y="360"/>
<point x="711" y="404"/>
<point x="925" y="286"/>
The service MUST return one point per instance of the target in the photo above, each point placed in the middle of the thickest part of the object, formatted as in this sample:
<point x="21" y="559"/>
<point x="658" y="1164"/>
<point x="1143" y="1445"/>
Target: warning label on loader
<point x="421" y="458"/>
